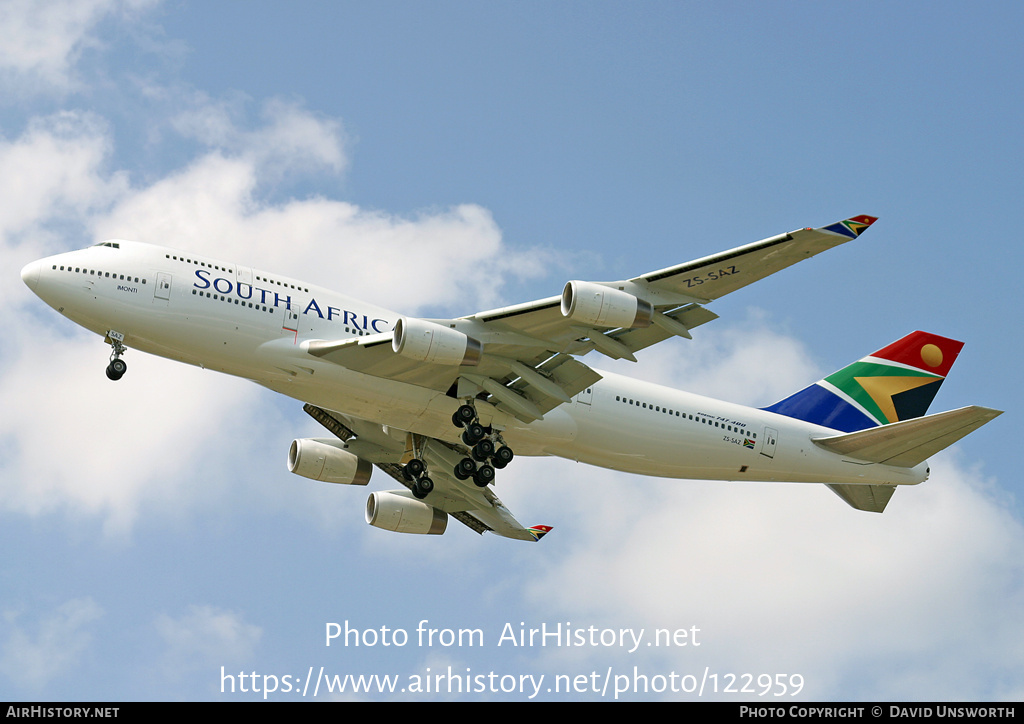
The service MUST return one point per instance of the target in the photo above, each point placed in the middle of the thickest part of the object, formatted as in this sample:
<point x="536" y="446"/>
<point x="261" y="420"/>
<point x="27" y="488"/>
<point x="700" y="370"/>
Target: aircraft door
<point x="163" y="287"/>
<point x="771" y="437"/>
<point x="243" y="275"/>
<point x="290" y="325"/>
<point x="586" y="396"/>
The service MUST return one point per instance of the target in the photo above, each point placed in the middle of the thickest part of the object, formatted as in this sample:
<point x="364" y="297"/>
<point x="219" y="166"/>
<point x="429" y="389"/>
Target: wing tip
<point x="539" y="531"/>
<point x="852" y="227"/>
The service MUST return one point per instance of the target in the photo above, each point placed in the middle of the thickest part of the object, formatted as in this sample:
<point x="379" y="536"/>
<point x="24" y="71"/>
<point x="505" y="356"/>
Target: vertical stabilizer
<point x="895" y="383"/>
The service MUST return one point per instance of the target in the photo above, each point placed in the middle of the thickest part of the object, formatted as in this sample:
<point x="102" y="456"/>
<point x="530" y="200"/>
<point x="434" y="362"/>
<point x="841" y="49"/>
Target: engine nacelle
<point x="324" y="460"/>
<point x="425" y="341"/>
<point x="602" y="306"/>
<point x="393" y="510"/>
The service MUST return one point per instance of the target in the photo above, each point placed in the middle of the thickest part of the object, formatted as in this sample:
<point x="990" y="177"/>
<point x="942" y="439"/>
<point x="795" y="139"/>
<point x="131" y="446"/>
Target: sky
<point x="443" y="158"/>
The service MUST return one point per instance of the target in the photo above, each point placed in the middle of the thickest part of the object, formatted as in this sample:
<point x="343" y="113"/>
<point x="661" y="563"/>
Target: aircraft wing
<point x="477" y="508"/>
<point x="523" y="356"/>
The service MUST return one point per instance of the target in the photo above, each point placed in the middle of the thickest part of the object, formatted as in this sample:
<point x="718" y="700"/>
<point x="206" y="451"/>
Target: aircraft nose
<point x="30" y="274"/>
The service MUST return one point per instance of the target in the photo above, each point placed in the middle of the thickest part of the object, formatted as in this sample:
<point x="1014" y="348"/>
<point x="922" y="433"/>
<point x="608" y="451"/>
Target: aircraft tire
<point x="484" y="476"/>
<point x="465" y="469"/>
<point x="474" y="433"/>
<point x="483" y="450"/>
<point x="502" y="457"/>
<point x="415" y="468"/>
<point x="464" y="415"/>
<point x="116" y="369"/>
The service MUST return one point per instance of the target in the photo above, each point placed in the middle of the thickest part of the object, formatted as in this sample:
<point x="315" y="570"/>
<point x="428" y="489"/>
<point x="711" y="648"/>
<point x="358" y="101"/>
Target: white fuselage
<point x="257" y="325"/>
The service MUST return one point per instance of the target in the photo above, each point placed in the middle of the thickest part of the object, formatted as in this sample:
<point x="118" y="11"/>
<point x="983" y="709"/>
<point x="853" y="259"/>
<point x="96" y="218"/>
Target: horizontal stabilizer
<point x="872" y="498"/>
<point x="908" y="443"/>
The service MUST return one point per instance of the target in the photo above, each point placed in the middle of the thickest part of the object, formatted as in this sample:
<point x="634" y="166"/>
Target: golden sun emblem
<point x="931" y="355"/>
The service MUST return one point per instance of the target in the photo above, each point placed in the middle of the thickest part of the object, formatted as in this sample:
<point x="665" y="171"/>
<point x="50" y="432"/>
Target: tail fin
<point x="895" y="383"/>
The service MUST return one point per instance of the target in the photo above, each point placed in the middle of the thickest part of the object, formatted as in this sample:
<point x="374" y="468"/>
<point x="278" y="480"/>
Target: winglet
<point x="539" y="531"/>
<point x="852" y="227"/>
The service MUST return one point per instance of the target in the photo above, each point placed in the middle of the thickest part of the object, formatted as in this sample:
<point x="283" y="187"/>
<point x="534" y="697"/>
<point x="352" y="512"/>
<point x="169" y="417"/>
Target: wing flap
<point x="568" y="374"/>
<point x="910" y="442"/>
<point x="690" y="316"/>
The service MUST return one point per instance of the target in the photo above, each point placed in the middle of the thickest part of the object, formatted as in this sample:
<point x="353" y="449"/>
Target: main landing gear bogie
<point x="487" y="453"/>
<point x="415" y="472"/>
<point x="486" y="448"/>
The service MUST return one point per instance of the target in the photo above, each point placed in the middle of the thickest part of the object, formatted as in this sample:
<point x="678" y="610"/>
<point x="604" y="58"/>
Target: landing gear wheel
<point x="463" y="416"/>
<point x="414" y="468"/>
<point x="474" y="433"/>
<point x="422" y="487"/>
<point x="483" y="476"/>
<point x="483" y="450"/>
<point x="465" y="469"/>
<point x="502" y="456"/>
<point x="116" y="369"/>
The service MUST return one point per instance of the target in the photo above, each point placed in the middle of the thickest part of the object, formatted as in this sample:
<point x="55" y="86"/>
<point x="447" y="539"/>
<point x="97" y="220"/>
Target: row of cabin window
<point x="98" y="273"/>
<point x="260" y="307"/>
<point x="677" y="413"/>
<point x="196" y="262"/>
<point x="228" y="271"/>
<point x="236" y="301"/>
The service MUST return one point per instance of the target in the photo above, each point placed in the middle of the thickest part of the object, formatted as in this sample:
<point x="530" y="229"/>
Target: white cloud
<point x="789" y="579"/>
<point x="207" y="637"/>
<point x="451" y="257"/>
<point x="292" y="139"/>
<point x="924" y="601"/>
<point x="86" y="447"/>
<point x="34" y="655"/>
<point x="41" y="41"/>
<point x="54" y="171"/>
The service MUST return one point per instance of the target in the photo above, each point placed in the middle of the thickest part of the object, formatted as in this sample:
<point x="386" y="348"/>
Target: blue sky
<point x="442" y="158"/>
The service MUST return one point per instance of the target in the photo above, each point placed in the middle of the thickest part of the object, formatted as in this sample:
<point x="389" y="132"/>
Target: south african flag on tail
<point x="895" y="383"/>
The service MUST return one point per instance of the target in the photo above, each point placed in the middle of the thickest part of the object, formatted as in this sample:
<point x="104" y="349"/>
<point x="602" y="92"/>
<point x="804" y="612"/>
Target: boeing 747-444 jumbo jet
<point x="440" y="404"/>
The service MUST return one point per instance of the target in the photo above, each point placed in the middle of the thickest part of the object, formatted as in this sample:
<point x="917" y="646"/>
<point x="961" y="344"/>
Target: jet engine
<point x="603" y="306"/>
<point x="393" y="510"/>
<point x="425" y="341"/>
<point x="326" y="461"/>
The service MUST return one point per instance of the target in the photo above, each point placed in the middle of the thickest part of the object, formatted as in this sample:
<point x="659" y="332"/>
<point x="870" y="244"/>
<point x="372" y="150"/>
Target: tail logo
<point x="895" y="383"/>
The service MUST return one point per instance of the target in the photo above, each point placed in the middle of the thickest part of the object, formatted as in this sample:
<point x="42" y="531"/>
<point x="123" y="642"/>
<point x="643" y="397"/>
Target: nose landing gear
<point x="117" y="366"/>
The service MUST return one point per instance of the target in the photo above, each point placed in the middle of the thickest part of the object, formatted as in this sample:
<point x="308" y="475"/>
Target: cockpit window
<point x="111" y="244"/>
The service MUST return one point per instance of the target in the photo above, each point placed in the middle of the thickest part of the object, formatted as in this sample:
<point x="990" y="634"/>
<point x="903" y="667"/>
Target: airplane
<point x="441" y="404"/>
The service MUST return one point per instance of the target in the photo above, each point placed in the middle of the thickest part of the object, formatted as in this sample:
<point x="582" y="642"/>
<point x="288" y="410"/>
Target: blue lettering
<point x="263" y="296"/>
<point x="331" y="311"/>
<point x="287" y="301"/>
<point x="216" y="285"/>
<point x="244" y="296"/>
<point x="353" y="316"/>
<point x="206" y="282"/>
<point x="374" y="324"/>
<point x="314" y="306"/>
